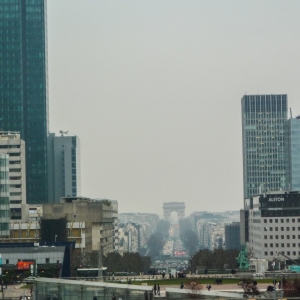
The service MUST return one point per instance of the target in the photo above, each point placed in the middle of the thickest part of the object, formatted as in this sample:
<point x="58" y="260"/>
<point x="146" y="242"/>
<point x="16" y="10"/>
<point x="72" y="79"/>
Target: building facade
<point x="23" y="88"/>
<point x="292" y="157"/>
<point x="14" y="146"/>
<point x="263" y="119"/>
<point x="64" y="171"/>
<point x="94" y="220"/>
<point x="232" y="236"/>
<point x="4" y="195"/>
<point x="273" y="225"/>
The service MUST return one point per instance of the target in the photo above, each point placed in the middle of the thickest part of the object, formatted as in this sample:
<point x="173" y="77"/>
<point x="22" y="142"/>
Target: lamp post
<point x="55" y="238"/>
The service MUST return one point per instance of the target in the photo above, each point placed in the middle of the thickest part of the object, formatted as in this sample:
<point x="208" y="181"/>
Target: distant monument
<point x="178" y="207"/>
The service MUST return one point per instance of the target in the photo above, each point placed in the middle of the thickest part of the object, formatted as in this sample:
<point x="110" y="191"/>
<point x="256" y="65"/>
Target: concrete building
<point x="93" y="217"/>
<point x="4" y="196"/>
<point x="24" y="87"/>
<point x="12" y="144"/>
<point x="273" y="225"/>
<point x="292" y="154"/>
<point x="232" y="236"/>
<point x="263" y="119"/>
<point x="64" y="170"/>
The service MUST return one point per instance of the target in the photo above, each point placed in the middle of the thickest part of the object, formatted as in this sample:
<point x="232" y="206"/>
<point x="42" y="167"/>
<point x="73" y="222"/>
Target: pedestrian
<point x="95" y="298"/>
<point x="181" y="285"/>
<point x="209" y="287"/>
<point x="154" y="288"/>
<point x="113" y="297"/>
<point x="158" y="289"/>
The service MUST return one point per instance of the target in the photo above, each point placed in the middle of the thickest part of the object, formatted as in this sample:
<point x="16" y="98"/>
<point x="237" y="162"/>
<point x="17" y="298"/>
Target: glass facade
<point x="292" y="145"/>
<point x="4" y="195"/>
<point x="263" y="119"/>
<point x="23" y="86"/>
<point x="49" y="288"/>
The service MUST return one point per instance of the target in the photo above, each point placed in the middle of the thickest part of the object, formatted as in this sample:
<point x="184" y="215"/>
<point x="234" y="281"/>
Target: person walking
<point x="158" y="290"/>
<point x="154" y="288"/>
<point x="95" y="298"/>
<point x="113" y="297"/>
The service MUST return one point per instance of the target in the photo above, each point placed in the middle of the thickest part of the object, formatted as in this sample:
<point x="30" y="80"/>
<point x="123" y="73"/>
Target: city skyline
<point x="159" y="86"/>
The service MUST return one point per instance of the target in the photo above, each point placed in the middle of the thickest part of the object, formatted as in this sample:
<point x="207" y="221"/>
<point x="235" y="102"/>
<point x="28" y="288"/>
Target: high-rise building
<point x="263" y="119"/>
<point x="14" y="146"/>
<point x="23" y="88"/>
<point x="292" y="157"/>
<point x="64" y="173"/>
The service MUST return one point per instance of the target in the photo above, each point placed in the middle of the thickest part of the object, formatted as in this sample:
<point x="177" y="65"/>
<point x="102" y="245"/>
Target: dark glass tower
<point x="263" y="119"/>
<point x="23" y="85"/>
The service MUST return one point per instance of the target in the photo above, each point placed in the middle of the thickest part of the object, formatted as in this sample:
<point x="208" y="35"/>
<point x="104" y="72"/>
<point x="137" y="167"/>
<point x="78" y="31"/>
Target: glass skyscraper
<point x="263" y="119"/>
<point x="23" y="86"/>
<point x="292" y="145"/>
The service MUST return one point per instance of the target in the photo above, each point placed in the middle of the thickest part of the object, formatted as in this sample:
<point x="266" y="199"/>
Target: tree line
<point x="218" y="259"/>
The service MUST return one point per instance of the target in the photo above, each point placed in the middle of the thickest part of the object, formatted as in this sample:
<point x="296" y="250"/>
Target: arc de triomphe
<point x="178" y="207"/>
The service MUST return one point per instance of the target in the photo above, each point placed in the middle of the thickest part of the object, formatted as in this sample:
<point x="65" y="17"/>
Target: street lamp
<point x="55" y="238"/>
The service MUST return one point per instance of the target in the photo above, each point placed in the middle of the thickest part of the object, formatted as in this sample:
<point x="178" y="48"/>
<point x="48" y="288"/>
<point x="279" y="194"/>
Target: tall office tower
<point x="292" y="158"/>
<point x="11" y="144"/>
<point x="263" y="119"/>
<point x="23" y="88"/>
<point x="64" y="173"/>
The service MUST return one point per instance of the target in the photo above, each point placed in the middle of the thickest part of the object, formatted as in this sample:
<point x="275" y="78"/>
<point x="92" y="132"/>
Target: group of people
<point x="156" y="289"/>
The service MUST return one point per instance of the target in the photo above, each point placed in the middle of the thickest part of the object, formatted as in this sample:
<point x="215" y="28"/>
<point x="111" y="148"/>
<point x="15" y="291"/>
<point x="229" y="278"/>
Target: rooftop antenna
<point x="63" y="132"/>
<point x="291" y="112"/>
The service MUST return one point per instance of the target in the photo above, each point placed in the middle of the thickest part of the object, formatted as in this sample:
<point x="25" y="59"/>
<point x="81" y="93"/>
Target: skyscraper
<point x="64" y="172"/>
<point x="292" y="158"/>
<point x="23" y="86"/>
<point x="263" y="119"/>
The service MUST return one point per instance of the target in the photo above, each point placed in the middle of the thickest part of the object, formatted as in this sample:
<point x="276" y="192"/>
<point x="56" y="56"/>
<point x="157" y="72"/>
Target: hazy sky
<point x="153" y="89"/>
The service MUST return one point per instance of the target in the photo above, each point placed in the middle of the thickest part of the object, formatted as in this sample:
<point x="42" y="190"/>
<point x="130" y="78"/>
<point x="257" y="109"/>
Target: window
<point x="265" y="220"/>
<point x="293" y="220"/>
<point x="265" y="237"/>
<point x="265" y="229"/>
<point x="282" y="244"/>
<point x="276" y="220"/>
<point x="293" y="228"/>
<point x="271" y="228"/>
<point x="298" y="228"/>
<point x="282" y="228"/>
<point x="288" y="237"/>
<point x="266" y="253"/>
<point x="7" y="261"/>
<point x="276" y="228"/>
<point x="47" y="260"/>
<point x="294" y="252"/>
<point x="276" y="237"/>
<point x="282" y="237"/>
<point x="294" y="244"/>
<point x="270" y="221"/>
<point x="271" y="245"/>
<point x="277" y="245"/>
<point x="288" y="245"/>
<point x="288" y="220"/>
<point x="281" y="220"/>
<point x="288" y="229"/>
<point x="266" y="245"/>
<point x="293" y="237"/>
<point x="271" y="253"/>
<point x="289" y="253"/>
<point x="271" y="237"/>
